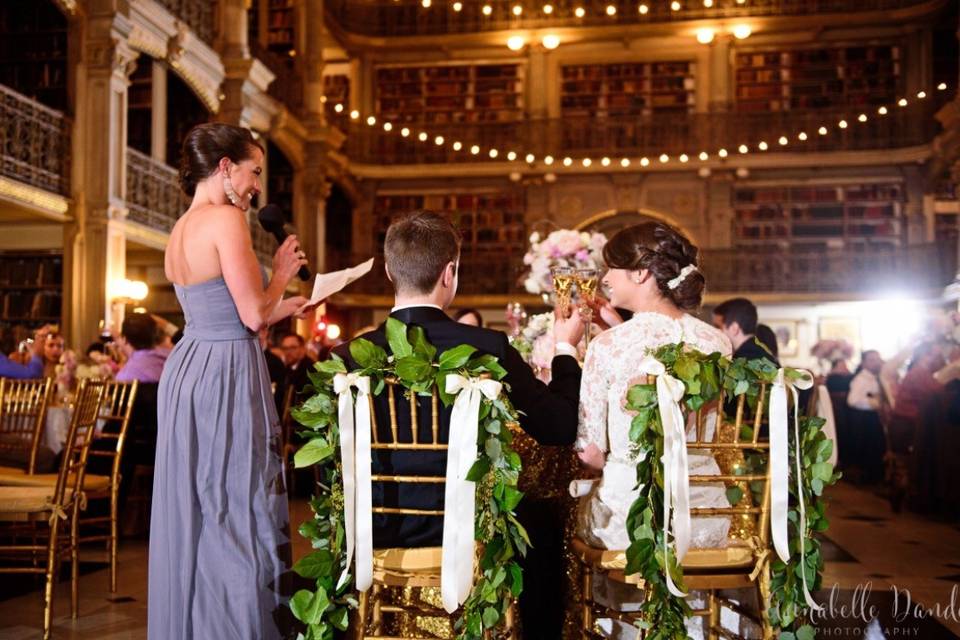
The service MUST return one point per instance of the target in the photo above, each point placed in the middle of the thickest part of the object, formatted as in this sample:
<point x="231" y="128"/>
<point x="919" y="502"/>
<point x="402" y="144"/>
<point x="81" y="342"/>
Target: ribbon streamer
<point x="354" y="417"/>
<point x="779" y="472"/>
<point x="676" y="470"/>
<point x="456" y="566"/>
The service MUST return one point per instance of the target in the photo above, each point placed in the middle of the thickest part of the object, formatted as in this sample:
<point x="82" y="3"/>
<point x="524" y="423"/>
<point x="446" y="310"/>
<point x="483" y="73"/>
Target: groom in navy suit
<point x="422" y="252"/>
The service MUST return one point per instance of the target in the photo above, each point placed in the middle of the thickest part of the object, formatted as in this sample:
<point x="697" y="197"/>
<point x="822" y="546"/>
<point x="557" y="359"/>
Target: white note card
<point x="328" y="284"/>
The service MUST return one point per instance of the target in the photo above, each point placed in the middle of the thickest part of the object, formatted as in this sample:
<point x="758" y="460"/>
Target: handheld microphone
<point x="272" y="220"/>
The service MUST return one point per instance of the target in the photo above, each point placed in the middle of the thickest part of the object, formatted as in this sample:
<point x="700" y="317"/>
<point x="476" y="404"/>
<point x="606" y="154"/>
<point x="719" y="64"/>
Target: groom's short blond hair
<point x="417" y="249"/>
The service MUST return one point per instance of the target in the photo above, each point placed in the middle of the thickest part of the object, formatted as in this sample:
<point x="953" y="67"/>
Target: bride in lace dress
<point x="652" y="273"/>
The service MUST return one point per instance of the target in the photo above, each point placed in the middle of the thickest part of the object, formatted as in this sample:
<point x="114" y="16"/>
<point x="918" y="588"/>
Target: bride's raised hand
<point x="604" y="313"/>
<point x="592" y="457"/>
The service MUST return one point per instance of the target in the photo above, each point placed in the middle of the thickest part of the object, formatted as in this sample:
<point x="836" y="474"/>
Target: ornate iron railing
<point x="154" y="198"/>
<point x="925" y="267"/>
<point x="197" y="14"/>
<point x="634" y="137"/>
<point x="34" y="143"/>
<point x="391" y="18"/>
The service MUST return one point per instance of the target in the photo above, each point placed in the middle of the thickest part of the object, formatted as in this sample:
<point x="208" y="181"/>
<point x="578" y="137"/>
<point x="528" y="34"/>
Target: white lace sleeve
<point x="593" y="401"/>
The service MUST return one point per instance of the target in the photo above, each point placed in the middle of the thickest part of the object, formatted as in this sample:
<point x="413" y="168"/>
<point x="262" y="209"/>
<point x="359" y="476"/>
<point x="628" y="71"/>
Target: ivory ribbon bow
<point x="355" y="462"/>
<point x="779" y="472"/>
<point x="676" y="471"/>
<point x="456" y="565"/>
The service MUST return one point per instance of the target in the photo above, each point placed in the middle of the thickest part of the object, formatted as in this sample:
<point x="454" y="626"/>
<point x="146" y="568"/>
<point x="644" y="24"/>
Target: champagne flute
<point x="587" y="281"/>
<point x="563" y="279"/>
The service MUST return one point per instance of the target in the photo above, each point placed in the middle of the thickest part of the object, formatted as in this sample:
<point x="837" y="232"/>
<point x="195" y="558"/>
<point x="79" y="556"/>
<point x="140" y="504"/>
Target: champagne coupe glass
<point x="563" y="280"/>
<point x="587" y="281"/>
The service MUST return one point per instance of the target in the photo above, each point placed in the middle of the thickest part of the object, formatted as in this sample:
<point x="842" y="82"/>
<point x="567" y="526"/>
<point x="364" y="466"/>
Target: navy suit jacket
<point x="549" y="416"/>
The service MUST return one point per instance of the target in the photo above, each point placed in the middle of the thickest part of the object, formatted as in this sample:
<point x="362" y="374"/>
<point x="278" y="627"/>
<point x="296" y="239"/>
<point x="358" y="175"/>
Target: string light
<point x="643" y="9"/>
<point x="922" y="94"/>
<point x="338" y="108"/>
<point x="822" y="131"/>
<point x="548" y="9"/>
<point x="941" y="86"/>
<point x="708" y="3"/>
<point x="842" y="124"/>
<point x="783" y="141"/>
<point x="517" y="10"/>
<point x="457" y="6"/>
<point x="625" y="162"/>
<point x="611" y="10"/>
<point x="684" y="157"/>
<point x="567" y="161"/>
<point x="457" y="146"/>
<point x="802" y="136"/>
<point x="605" y="161"/>
<point x="438" y="140"/>
<point x="530" y="158"/>
<point x="405" y="132"/>
<point x="387" y="126"/>
<point x="675" y="6"/>
<point x="493" y="153"/>
<point x="644" y="161"/>
<point x="704" y="156"/>
<point x="882" y="111"/>
<point x="902" y="102"/>
<point x="722" y="153"/>
<point x="742" y="31"/>
<point x="371" y="121"/>
<point x="743" y="148"/>
<point x="511" y="155"/>
<point x="862" y="117"/>
<point x="548" y="160"/>
<point x="579" y="12"/>
<point x="762" y="146"/>
<point x="664" y="158"/>
<point x="354" y="115"/>
<point x="423" y="136"/>
<point x="587" y="162"/>
<point x="474" y="149"/>
<point x="515" y="43"/>
<point x="486" y="10"/>
<point x="426" y="4"/>
<point x="550" y="41"/>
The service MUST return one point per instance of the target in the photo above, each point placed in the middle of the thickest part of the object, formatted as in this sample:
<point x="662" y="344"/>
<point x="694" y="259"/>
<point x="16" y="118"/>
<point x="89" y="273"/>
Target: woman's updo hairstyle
<point x="203" y="147"/>
<point x="664" y="252"/>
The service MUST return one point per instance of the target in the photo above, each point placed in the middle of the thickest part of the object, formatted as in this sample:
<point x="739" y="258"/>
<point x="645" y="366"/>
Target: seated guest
<point x="52" y="350"/>
<point x="865" y="443"/>
<point x="469" y="316"/>
<point x="146" y="361"/>
<point x="737" y="319"/>
<point x="422" y="254"/>
<point x="33" y="368"/>
<point x="296" y="361"/>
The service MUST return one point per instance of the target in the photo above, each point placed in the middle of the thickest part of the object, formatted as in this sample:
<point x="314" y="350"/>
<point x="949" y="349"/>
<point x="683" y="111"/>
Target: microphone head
<point x="271" y="217"/>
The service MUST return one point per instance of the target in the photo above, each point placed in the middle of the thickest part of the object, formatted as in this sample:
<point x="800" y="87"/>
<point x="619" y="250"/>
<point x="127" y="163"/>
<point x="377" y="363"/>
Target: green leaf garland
<point x="415" y="365"/>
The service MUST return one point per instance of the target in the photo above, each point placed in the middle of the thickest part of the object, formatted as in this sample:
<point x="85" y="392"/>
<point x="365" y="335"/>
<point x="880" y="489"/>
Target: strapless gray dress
<point x="219" y="529"/>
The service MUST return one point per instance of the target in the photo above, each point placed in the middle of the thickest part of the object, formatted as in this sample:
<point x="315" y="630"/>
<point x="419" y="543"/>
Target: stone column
<point x="94" y="245"/>
<point x="234" y="50"/>
<point x="158" y="114"/>
<point x="719" y="85"/>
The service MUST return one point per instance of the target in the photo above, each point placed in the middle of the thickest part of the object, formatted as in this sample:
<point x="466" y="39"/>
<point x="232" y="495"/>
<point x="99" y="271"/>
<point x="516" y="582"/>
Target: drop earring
<point x="230" y="192"/>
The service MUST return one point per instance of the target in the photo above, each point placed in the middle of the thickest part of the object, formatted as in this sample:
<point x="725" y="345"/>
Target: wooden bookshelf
<point x="451" y="93"/>
<point x="280" y="180"/>
<point x="627" y="89"/>
<point x="33" y="51"/>
<point x="819" y="216"/>
<point x="273" y="23"/>
<point x="140" y="106"/>
<point x="189" y="110"/>
<point x="31" y="288"/>
<point x="336" y="88"/>
<point x="863" y="75"/>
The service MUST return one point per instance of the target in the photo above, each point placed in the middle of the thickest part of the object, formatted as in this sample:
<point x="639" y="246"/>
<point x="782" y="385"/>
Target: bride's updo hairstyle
<point x="203" y="147"/>
<point x="663" y="251"/>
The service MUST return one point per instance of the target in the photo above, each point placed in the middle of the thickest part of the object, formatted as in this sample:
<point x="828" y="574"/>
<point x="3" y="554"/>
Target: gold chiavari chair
<point x="23" y="413"/>
<point x="115" y="411"/>
<point x="24" y="509"/>
<point x="400" y="569"/>
<point x="742" y="564"/>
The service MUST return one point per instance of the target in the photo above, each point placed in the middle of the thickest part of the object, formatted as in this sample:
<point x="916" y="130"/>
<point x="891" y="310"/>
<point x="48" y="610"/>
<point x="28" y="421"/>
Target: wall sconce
<point x="515" y="43"/>
<point x="126" y="291"/>
<point x="742" y="31"/>
<point x="705" y="35"/>
<point x="550" y="41"/>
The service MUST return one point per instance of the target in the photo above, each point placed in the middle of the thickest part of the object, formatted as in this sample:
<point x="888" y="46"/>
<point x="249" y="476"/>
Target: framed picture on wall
<point x="786" y="332"/>
<point x="845" y="329"/>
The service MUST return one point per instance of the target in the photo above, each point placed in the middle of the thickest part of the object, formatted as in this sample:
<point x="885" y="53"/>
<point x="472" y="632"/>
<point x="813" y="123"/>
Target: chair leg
<point x="377" y="618"/>
<point x="114" y="499"/>
<point x="53" y="561"/>
<point x="586" y="602"/>
<point x="360" y="619"/>
<point x="713" y="619"/>
<point x="75" y="560"/>
<point x="763" y="594"/>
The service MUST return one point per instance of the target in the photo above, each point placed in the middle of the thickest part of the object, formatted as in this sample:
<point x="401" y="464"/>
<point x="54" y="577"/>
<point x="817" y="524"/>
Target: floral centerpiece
<point x="832" y="350"/>
<point x="561" y="248"/>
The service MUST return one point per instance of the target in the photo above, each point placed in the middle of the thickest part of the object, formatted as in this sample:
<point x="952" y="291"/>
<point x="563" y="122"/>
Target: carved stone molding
<point x="161" y="35"/>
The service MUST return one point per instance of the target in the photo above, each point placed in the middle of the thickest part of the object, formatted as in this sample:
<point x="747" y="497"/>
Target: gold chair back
<point x="115" y="410"/>
<point x="23" y="412"/>
<point x="424" y="435"/>
<point x="83" y="426"/>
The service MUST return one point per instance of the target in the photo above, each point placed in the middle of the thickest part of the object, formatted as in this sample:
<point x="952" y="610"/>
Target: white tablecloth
<point x="825" y="411"/>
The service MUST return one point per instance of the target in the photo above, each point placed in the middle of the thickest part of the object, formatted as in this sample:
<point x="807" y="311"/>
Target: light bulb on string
<point x="722" y="153"/>
<point x="783" y="141"/>
<point x="762" y="146"/>
<point x="882" y="111"/>
<point x="457" y="6"/>
<point x="743" y="148"/>
<point x="902" y="102"/>
<point x="643" y="9"/>
<point x="423" y="136"/>
<point x="426" y="3"/>
<point x="742" y="31"/>
<point x="707" y="3"/>
<point x="704" y="156"/>
<point x="625" y="162"/>
<point x="587" y="162"/>
<point x="517" y="10"/>
<point x="548" y="9"/>
<point x="474" y="149"/>
<point x="515" y="43"/>
<point x="611" y="10"/>
<point x="511" y="155"/>
<point x="862" y="117"/>
<point x="942" y="86"/>
<point x="664" y="158"/>
<point x="842" y="124"/>
<point x="605" y="161"/>
<point x="387" y="126"/>
<point x="493" y="153"/>
<point x="684" y="157"/>
<point x="822" y="131"/>
<point x="802" y="136"/>
<point x="371" y="120"/>
<point x="567" y="161"/>
<point x="457" y="145"/>
<point x="438" y="140"/>
<point x="404" y="132"/>
<point x="705" y="35"/>
<point x="486" y="10"/>
<point x="530" y="158"/>
<point x="579" y="12"/>
<point x="550" y="41"/>
<point x="354" y="115"/>
<point x="548" y="160"/>
<point x="675" y="6"/>
<point x="644" y="161"/>
<point x="338" y="108"/>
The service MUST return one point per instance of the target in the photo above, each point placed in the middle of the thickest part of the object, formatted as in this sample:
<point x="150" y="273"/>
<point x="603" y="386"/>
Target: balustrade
<point x="34" y="143"/>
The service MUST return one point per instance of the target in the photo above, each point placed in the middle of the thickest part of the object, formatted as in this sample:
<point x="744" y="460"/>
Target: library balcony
<point x="196" y="14"/>
<point x="388" y="18"/>
<point x="154" y="200"/>
<point x="650" y="136"/>
<point x="34" y="143"/>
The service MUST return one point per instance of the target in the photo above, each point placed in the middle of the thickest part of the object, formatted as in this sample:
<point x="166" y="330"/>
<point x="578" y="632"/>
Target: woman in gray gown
<point x="219" y="534"/>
